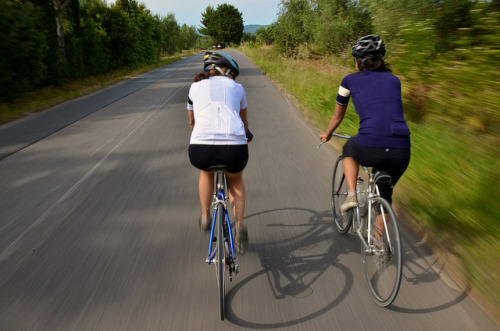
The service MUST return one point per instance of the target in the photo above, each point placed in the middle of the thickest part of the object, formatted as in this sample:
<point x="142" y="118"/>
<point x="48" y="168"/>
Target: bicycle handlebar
<point x="336" y="135"/>
<point x="341" y="136"/>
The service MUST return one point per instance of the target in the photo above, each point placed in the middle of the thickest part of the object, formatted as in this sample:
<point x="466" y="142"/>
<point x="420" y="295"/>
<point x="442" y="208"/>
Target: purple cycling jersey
<point x="377" y="99"/>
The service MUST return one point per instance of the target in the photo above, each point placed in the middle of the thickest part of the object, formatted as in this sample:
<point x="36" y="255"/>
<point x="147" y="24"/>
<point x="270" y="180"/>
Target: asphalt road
<point x="98" y="224"/>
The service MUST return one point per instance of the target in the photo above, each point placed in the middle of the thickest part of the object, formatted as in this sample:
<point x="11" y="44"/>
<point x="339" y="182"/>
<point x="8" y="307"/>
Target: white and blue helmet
<point x="214" y="60"/>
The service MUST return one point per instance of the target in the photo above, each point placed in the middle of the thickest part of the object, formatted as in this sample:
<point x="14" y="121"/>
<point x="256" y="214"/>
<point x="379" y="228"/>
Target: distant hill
<point x="252" y="28"/>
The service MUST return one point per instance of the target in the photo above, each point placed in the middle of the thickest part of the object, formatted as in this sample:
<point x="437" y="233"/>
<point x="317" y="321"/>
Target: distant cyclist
<point x="217" y="109"/>
<point x="383" y="139"/>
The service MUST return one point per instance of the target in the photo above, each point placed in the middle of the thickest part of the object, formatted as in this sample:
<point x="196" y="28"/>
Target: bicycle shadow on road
<point x="294" y="266"/>
<point x="299" y="256"/>
<point x="422" y="275"/>
<point x="422" y="268"/>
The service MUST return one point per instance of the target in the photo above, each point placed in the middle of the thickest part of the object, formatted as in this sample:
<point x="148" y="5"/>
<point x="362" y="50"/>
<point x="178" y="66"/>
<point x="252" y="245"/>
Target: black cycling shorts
<point x="393" y="160"/>
<point x="205" y="156"/>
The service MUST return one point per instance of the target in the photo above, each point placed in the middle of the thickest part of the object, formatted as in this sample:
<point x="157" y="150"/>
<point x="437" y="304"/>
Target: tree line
<point x="47" y="42"/>
<point x="330" y="26"/>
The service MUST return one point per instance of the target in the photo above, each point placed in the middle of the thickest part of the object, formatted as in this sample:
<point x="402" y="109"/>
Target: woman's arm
<point x="243" y="115"/>
<point x="191" y="119"/>
<point x="338" y="116"/>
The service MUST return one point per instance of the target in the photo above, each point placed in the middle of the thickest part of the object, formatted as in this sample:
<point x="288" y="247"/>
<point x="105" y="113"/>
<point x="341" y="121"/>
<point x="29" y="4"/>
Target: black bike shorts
<point x="205" y="156"/>
<point x="393" y="160"/>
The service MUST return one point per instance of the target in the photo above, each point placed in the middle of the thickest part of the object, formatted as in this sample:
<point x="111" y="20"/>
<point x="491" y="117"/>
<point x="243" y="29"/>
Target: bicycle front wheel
<point x="339" y="194"/>
<point x="221" y="259"/>
<point x="382" y="260"/>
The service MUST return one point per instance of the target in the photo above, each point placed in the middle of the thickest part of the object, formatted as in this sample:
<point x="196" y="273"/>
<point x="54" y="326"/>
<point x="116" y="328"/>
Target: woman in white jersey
<point x="217" y="108"/>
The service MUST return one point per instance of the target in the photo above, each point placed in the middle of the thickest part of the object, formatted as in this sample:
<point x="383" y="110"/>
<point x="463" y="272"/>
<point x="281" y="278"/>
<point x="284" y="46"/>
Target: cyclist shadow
<point x="422" y="268"/>
<point x="294" y="263"/>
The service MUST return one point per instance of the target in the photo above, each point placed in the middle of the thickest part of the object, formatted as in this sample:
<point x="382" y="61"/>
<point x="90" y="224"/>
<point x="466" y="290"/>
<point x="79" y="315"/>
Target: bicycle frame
<point x="372" y="191"/>
<point x="220" y="197"/>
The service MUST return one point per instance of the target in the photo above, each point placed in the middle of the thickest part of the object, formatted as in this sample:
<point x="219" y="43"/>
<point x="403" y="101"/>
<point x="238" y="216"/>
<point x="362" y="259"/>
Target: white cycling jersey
<point x="216" y="103"/>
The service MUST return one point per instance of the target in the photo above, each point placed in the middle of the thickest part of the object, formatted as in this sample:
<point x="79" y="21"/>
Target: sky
<point x="261" y="12"/>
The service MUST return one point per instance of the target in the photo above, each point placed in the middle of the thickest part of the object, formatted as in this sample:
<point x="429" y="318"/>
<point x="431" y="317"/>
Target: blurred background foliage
<point x="446" y="52"/>
<point x="98" y="37"/>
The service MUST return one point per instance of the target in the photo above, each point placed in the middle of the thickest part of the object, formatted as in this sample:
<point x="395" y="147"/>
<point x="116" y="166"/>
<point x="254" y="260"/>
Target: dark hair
<point x="205" y="75"/>
<point x="372" y="64"/>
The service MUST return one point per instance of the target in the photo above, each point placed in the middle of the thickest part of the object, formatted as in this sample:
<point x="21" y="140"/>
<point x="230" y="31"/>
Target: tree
<point x="291" y="28"/>
<point x="336" y="24"/>
<point x="265" y="35"/>
<point x="224" y="24"/>
<point x="171" y="32"/>
<point x="188" y="37"/>
<point x="210" y="25"/>
<point x="24" y="49"/>
<point x="59" y="6"/>
<point x="248" y="37"/>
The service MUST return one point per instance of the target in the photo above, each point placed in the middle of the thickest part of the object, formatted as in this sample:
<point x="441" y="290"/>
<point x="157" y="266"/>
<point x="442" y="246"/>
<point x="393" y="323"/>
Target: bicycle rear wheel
<point x="339" y="193"/>
<point x="221" y="259"/>
<point x="383" y="260"/>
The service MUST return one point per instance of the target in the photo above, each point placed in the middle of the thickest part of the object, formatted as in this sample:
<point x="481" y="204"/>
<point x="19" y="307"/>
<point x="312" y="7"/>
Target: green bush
<point x="23" y="51"/>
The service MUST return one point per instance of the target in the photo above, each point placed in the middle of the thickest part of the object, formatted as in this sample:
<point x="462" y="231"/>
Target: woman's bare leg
<point x="379" y="226"/>
<point x="206" y="190"/>
<point x="351" y="172"/>
<point x="237" y="196"/>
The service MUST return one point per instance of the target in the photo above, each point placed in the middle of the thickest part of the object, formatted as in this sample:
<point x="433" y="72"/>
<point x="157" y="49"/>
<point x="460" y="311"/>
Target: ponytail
<point x="372" y="64"/>
<point x="214" y="72"/>
<point x="201" y="76"/>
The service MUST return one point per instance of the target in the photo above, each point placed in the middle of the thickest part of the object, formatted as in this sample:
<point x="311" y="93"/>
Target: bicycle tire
<point x="383" y="262"/>
<point x="221" y="259"/>
<point x="339" y="193"/>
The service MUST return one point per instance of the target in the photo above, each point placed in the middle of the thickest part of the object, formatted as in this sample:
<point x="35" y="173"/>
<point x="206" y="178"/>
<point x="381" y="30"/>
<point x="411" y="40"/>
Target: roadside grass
<point x="46" y="97"/>
<point x="451" y="186"/>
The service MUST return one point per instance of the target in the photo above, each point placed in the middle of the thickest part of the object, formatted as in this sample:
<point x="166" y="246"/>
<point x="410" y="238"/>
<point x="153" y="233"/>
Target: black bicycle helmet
<point x="369" y="46"/>
<point x="214" y="60"/>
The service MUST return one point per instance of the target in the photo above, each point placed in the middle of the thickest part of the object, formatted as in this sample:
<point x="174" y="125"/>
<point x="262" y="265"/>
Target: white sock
<point x="350" y="193"/>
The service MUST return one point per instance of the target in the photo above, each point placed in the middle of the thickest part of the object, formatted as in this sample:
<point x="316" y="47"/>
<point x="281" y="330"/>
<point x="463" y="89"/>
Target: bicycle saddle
<point x="218" y="167"/>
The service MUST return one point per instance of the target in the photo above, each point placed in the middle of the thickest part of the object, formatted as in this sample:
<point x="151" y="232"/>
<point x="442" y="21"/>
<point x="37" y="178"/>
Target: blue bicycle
<point x="221" y="250"/>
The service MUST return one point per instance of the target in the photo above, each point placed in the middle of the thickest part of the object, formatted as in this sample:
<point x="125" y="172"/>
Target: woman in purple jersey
<point x="383" y="139"/>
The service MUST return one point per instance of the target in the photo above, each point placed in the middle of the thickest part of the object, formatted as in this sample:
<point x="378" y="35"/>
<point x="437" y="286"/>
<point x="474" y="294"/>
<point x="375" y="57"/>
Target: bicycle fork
<point x="231" y="260"/>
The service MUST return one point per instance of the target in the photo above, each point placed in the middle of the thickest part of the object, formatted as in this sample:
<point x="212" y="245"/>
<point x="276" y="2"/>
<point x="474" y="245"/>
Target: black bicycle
<point x="221" y="250"/>
<point x="374" y="221"/>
